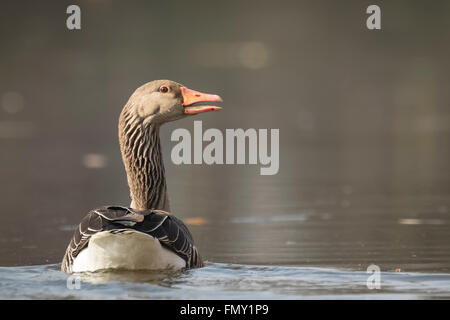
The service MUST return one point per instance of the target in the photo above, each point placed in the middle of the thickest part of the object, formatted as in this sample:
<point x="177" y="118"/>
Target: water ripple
<point x="220" y="281"/>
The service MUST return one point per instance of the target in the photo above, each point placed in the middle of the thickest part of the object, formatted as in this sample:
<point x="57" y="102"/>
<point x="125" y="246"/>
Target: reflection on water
<point x="221" y="281"/>
<point x="292" y="217"/>
<point x="421" y="221"/>
<point x="149" y="277"/>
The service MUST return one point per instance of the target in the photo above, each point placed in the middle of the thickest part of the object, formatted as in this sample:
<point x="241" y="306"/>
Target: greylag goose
<point x="143" y="236"/>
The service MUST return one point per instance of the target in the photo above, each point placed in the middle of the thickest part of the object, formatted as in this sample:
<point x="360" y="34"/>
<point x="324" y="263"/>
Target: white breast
<point x="127" y="250"/>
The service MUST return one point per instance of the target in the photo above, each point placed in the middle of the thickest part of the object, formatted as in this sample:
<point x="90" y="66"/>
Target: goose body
<point x="128" y="250"/>
<point x="144" y="236"/>
<point x="121" y="238"/>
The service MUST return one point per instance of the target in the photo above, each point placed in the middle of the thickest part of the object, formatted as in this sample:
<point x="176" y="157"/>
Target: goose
<point x="143" y="236"/>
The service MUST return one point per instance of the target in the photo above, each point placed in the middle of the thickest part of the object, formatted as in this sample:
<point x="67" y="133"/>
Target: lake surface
<point x="321" y="252"/>
<point x="364" y="174"/>
<point x="220" y="281"/>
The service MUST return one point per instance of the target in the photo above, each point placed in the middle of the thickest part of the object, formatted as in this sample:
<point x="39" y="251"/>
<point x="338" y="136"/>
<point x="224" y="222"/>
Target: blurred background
<point x="364" y="121"/>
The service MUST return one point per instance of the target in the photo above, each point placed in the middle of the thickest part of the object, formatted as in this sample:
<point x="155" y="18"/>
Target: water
<point x="318" y="253"/>
<point x="220" y="281"/>
<point x="364" y="145"/>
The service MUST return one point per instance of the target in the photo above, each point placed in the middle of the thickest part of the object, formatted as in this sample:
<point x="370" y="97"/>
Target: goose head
<point x="162" y="101"/>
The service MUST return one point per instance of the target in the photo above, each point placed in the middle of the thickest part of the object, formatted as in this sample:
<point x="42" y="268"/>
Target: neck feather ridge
<point x="141" y="154"/>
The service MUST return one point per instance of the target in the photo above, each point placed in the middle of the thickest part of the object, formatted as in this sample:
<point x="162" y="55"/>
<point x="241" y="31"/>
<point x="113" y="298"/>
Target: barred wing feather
<point x="169" y="230"/>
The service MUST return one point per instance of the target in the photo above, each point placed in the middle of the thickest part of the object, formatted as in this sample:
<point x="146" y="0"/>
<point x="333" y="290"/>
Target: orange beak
<point x="190" y="97"/>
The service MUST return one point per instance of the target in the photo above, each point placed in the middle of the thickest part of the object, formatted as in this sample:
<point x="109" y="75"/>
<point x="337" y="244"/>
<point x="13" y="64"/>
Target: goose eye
<point x="163" y="89"/>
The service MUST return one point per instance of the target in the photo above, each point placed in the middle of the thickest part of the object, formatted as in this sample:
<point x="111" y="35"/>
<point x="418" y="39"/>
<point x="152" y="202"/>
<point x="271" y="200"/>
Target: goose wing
<point x="171" y="232"/>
